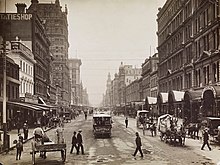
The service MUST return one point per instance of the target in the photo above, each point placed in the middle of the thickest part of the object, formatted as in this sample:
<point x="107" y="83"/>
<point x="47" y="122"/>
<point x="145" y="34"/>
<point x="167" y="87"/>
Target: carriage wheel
<point x="63" y="155"/>
<point x="33" y="157"/>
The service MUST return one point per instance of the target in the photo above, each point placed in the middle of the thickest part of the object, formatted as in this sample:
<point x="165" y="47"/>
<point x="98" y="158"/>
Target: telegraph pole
<point x="4" y="95"/>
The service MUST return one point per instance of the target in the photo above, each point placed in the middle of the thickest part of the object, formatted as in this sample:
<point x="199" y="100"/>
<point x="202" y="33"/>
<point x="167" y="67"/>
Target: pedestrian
<point x="138" y="145"/>
<point x="153" y="130"/>
<point x="126" y="122"/>
<point x="21" y="138"/>
<point x="80" y="142"/>
<point x="25" y="130"/>
<point x="74" y="142"/>
<point x="19" y="147"/>
<point x="18" y="126"/>
<point x="206" y="139"/>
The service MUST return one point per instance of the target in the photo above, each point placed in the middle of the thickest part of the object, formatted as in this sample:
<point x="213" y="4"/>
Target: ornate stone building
<point x="188" y="48"/>
<point x="74" y="70"/>
<point x="29" y="28"/>
<point x="56" y="26"/>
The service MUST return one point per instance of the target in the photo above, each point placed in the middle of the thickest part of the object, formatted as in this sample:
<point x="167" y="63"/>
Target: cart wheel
<point x="33" y="157"/>
<point x="63" y="154"/>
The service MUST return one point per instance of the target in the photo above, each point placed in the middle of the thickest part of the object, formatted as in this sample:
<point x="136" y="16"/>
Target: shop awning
<point x="163" y="97"/>
<point x="192" y="95"/>
<point x="175" y="96"/>
<point x="24" y="105"/>
<point x="151" y="100"/>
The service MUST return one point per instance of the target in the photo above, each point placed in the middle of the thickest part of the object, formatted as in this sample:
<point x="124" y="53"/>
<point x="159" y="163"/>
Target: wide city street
<point x="115" y="150"/>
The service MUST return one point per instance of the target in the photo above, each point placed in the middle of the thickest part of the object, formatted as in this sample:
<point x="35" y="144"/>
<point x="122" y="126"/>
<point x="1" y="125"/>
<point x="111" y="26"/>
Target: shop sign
<point x="15" y="16"/>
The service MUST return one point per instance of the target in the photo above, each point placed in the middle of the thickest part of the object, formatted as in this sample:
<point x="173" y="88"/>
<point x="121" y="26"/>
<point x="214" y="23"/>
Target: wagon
<point x="170" y="131"/>
<point x="48" y="147"/>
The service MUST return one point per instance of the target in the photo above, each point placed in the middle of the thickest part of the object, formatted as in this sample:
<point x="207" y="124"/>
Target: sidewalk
<point x="213" y="155"/>
<point x="13" y="135"/>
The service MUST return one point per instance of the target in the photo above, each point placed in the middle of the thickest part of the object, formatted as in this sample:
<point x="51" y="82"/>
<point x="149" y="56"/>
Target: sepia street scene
<point x="109" y="82"/>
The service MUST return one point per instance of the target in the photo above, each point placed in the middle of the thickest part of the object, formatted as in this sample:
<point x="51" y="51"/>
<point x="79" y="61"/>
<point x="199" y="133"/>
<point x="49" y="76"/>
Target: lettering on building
<point x="15" y="16"/>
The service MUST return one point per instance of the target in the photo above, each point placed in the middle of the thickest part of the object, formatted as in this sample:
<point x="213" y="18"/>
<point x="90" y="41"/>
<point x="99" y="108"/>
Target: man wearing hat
<point x="80" y="142"/>
<point x="74" y="142"/>
<point x="206" y="139"/>
<point x="138" y="145"/>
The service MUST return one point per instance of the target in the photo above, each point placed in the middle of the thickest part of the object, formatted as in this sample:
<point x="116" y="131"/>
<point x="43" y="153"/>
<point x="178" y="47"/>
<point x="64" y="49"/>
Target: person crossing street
<point x="138" y="145"/>
<point x="80" y="143"/>
<point x="74" y="143"/>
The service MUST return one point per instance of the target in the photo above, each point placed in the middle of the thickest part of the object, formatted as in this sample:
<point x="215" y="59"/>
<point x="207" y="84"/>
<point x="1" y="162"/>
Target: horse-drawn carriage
<point x="171" y="131"/>
<point x="142" y="118"/>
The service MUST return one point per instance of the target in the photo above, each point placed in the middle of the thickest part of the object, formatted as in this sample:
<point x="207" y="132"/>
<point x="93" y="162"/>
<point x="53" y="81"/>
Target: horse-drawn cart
<point x="48" y="147"/>
<point x="170" y="131"/>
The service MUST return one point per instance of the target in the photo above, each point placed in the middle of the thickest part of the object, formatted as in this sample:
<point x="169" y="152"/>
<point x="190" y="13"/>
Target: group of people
<point x="77" y="142"/>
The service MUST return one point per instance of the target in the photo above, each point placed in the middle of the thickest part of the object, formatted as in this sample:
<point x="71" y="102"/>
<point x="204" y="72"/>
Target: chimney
<point x="21" y="7"/>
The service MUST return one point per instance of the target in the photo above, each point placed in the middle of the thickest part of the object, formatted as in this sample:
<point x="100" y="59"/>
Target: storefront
<point x="175" y="103"/>
<point x="151" y="105"/>
<point x="162" y="103"/>
<point x="191" y="105"/>
<point x="211" y="101"/>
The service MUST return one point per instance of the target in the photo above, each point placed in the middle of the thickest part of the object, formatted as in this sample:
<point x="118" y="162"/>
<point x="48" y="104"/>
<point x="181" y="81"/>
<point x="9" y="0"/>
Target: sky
<point x="104" y="33"/>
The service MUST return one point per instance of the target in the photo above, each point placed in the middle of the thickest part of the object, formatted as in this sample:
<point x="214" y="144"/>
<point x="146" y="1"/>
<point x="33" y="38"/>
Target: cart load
<point x="43" y="145"/>
<point x="171" y="130"/>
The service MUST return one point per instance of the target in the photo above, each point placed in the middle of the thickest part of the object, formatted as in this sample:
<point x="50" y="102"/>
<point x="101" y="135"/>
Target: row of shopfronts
<point x="190" y="105"/>
<point x="19" y="112"/>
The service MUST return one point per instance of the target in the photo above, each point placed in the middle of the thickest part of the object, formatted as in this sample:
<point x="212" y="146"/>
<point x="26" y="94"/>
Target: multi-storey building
<point x="127" y="74"/>
<point x="23" y="57"/>
<point x="116" y="89"/>
<point x="108" y="91"/>
<point x="133" y="92"/>
<point x="74" y="70"/>
<point x="12" y="86"/>
<point x="85" y="98"/>
<point x="188" y="48"/>
<point x="56" y="26"/>
<point x="29" y="28"/>
<point x="115" y="95"/>
<point x="149" y="76"/>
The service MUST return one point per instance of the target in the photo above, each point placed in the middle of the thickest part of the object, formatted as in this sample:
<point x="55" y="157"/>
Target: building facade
<point x="188" y="49"/>
<point x="23" y="57"/>
<point x="29" y="28"/>
<point x="149" y="76"/>
<point x="12" y="86"/>
<point x="56" y="26"/>
<point x="74" y="70"/>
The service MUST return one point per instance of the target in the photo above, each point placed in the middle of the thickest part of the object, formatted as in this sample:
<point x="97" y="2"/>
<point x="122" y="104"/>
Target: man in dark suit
<point x="74" y="142"/>
<point x="206" y="139"/>
<point x="138" y="145"/>
<point x="80" y="142"/>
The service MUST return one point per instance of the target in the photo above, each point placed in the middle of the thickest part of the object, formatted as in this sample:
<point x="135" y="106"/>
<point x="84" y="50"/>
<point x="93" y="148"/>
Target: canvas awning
<point x="24" y="105"/>
<point x="192" y="95"/>
<point x="163" y="97"/>
<point x="151" y="100"/>
<point x="175" y="96"/>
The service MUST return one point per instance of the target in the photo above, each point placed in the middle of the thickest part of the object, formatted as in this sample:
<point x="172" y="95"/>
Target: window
<point x="23" y="67"/>
<point x="21" y="64"/>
